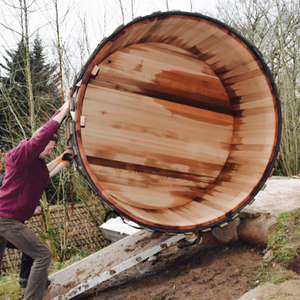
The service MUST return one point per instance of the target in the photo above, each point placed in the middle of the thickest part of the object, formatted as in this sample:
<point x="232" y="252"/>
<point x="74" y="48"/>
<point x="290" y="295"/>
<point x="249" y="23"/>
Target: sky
<point x="83" y="23"/>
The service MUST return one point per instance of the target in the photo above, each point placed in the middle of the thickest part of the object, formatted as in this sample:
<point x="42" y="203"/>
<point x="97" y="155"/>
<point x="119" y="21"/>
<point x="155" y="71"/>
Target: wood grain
<point x="181" y="122"/>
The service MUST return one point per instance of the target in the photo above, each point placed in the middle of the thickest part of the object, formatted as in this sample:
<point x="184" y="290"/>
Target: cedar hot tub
<point x="177" y="122"/>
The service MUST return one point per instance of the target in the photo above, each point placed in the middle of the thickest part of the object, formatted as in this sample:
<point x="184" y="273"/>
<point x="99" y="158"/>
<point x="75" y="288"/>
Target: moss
<point x="280" y="294"/>
<point x="284" y="248"/>
<point x="274" y="273"/>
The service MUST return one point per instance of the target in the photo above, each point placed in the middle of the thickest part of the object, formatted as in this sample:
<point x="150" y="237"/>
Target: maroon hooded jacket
<point x="26" y="175"/>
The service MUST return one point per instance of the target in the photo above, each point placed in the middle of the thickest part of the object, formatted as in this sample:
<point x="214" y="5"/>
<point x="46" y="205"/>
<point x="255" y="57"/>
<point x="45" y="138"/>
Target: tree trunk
<point x="27" y="67"/>
<point x="49" y="230"/>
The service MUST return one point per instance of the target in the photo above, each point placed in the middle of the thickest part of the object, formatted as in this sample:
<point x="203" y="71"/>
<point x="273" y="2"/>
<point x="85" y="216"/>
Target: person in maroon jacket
<point x="25" y="180"/>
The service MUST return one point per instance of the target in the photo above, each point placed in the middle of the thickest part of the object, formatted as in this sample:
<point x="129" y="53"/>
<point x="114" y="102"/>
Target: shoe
<point x="48" y="283"/>
<point x="23" y="282"/>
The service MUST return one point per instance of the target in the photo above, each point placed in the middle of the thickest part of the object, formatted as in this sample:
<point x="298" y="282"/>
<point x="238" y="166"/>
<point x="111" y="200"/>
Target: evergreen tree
<point x="45" y="80"/>
<point x="14" y="99"/>
<point x="13" y="110"/>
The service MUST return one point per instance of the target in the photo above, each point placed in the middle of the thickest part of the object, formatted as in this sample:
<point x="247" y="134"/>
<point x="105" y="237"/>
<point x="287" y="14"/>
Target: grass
<point x="283" y="247"/>
<point x="164" y="296"/>
<point x="278" y="295"/>
<point x="9" y="285"/>
<point x="273" y="273"/>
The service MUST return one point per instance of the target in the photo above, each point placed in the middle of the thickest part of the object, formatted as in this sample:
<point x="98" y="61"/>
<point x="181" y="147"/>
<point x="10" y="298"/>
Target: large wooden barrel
<point x="177" y="122"/>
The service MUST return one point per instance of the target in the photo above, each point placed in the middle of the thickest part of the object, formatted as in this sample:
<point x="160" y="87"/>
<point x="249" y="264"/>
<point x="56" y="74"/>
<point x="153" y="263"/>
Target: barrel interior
<point x="181" y="122"/>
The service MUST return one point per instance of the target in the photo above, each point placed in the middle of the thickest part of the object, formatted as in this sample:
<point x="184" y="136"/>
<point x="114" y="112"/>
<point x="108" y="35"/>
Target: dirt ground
<point x="225" y="272"/>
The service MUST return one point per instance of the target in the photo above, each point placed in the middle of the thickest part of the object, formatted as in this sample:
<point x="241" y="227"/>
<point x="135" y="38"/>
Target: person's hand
<point x="66" y="157"/>
<point x="66" y="106"/>
<point x="69" y="93"/>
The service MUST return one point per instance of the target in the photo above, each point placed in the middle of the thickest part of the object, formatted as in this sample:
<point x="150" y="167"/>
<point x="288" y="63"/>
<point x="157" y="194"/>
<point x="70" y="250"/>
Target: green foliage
<point x="273" y="27"/>
<point x="272" y="272"/>
<point x="15" y="109"/>
<point x="283" y="248"/>
<point x="84" y="252"/>
<point x="280" y="294"/>
<point x="277" y="170"/>
<point x="9" y="286"/>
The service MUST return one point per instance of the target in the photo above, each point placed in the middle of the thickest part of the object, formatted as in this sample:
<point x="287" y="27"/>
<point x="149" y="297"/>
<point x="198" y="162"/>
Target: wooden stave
<point x="104" y="195"/>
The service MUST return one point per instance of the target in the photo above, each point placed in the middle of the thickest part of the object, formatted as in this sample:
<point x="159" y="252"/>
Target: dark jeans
<point x="24" y="239"/>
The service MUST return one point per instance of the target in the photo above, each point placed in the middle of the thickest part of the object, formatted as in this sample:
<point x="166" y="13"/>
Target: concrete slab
<point x="280" y="195"/>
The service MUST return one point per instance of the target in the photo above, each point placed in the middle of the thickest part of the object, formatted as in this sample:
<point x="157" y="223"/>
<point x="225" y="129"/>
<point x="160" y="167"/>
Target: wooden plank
<point x="96" y="133"/>
<point x="250" y="74"/>
<point x="269" y="133"/>
<point x="149" y="154"/>
<point x="210" y="43"/>
<point x="166" y="57"/>
<point x="239" y="125"/>
<point x="86" y="275"/>
<point x="255" y="95"/>
<point x="232" y="193"/>
<point x="182" y="33"/>
<point x="163" y="71"/>
<point x="259" y="167"/>
<point x="253" y="148"/>
<point x="170" y="31"/>
<point x="246" y="87"/>
<point x="201" y="31"/>
<point x="208" y="201"/>
<point x="150" y="160"/>
<point x="197" y="213"/>
<point x="255" y="118"/>
<point x="216" y="54"/>
<point x="154" y="109"/>
<point x="234" y="69"/>
<point x="156" y="31"/>
<point x="263" y="102"/>
<point x="138" y="175"/>
<point x="224" y="196"/>
<point x="250" y="154"/>
<point x="135" y="198"/>
<point x="209" y="215"/>
<point x="187" y="217"/>
<point x="155" y="113"/>
<point x="193" y="214"/>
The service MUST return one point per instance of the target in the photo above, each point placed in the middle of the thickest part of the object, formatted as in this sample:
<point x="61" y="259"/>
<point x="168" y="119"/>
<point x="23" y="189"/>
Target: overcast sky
<point x="101" y="17"/>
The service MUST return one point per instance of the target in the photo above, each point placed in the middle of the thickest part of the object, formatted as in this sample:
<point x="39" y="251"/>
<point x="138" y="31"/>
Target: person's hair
<point x="53" y="138"/>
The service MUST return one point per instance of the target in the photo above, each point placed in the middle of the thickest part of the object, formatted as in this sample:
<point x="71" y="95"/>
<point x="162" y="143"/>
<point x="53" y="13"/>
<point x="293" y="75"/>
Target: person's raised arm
<point x="64" y="110"/>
